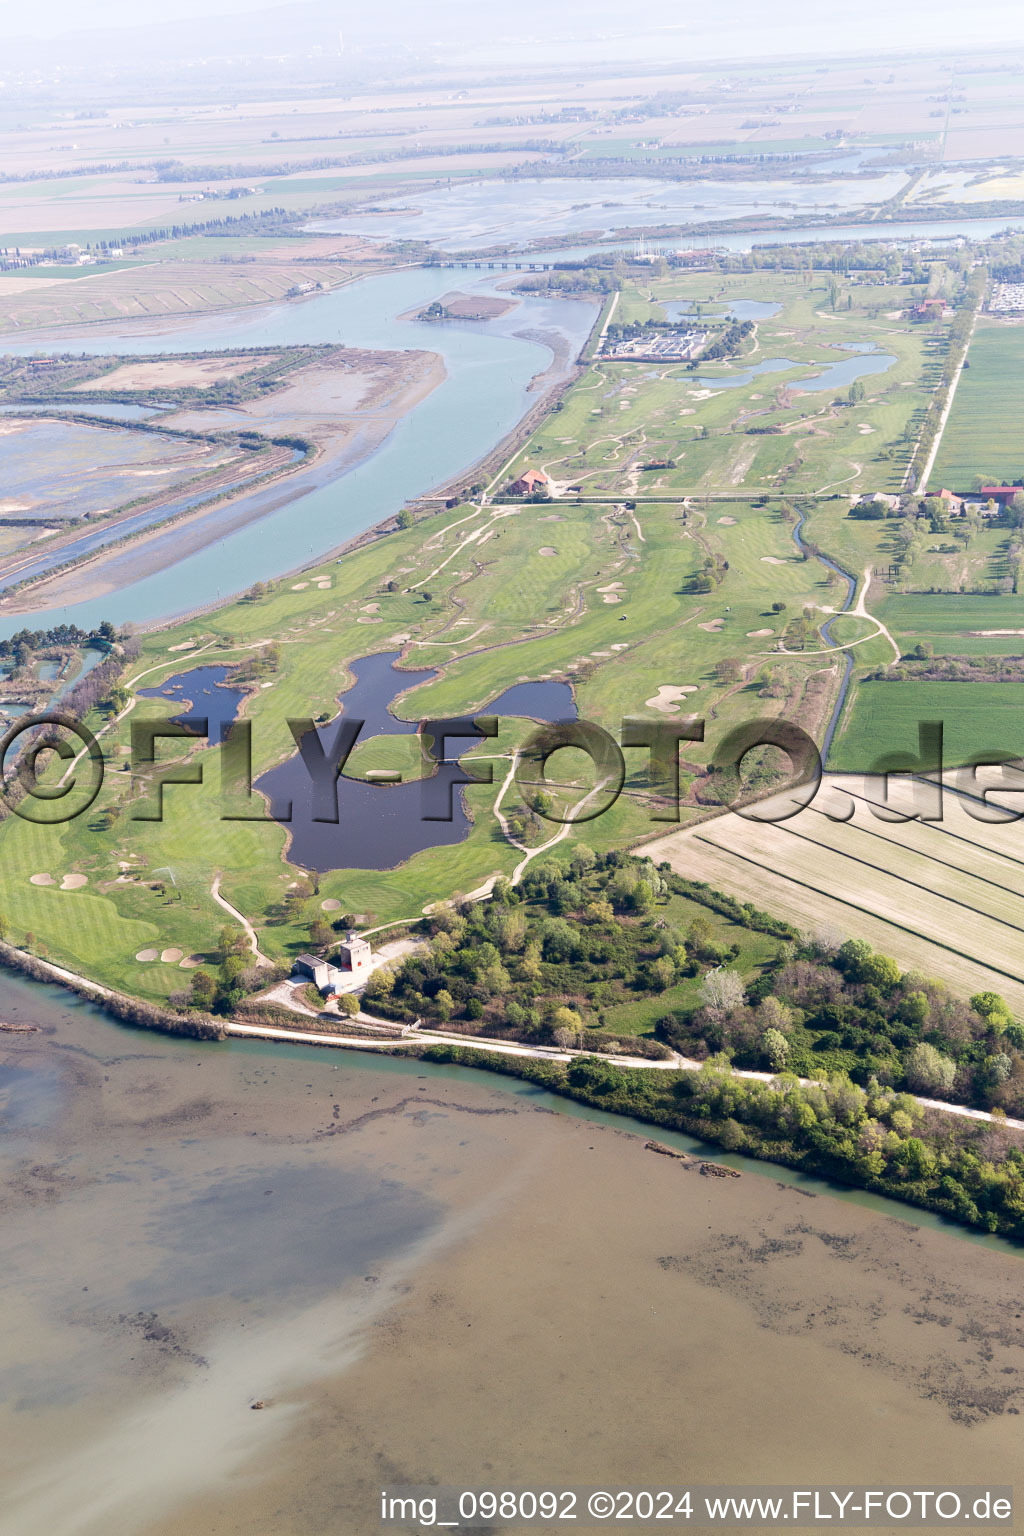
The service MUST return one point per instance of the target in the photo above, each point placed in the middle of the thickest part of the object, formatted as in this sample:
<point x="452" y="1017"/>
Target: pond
<point x="379" y="824"/>
<point x="207" y="695"/>
<point x="743" y="309"/>
<point x="834" y="377"/>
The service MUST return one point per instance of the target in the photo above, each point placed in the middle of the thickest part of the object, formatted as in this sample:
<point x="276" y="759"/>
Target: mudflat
<point x="428" y="1274"/>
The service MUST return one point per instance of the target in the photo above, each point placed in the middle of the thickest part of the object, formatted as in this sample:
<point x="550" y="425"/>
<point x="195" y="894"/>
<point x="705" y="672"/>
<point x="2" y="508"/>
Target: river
<point x="490" y="367"/>
<point x="489" y="370"/>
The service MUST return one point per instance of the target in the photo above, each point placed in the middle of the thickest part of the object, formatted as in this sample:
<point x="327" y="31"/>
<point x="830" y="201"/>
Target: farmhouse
<point x="531" y="482"/>
<point x="930" y="309"/>
<point x="1001" y="493"/>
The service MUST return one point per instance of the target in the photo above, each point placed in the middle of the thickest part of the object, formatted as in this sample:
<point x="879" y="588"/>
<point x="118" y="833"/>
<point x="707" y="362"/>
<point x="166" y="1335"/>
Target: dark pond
<point x="205" y="693"/>
<point x="379" y="825"/>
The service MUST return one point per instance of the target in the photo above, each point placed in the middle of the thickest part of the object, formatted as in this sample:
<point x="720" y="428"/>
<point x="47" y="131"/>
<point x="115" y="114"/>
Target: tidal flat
<point x="428" y="1274"/>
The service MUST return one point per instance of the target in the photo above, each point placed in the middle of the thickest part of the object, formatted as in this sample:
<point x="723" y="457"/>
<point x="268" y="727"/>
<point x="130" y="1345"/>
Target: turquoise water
<point x="489" y="370"/>
<point x="837" y="376"/>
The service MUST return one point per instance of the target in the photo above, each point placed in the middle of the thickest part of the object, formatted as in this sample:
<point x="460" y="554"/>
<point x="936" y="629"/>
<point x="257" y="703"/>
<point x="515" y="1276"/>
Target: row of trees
<point x="843" y="1008"/>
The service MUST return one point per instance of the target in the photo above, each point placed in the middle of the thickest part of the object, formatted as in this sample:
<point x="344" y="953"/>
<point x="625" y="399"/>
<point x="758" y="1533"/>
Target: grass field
<point x="956" y="624"/>
<point x="884" y="718"/>
<point x="982" y="436"/>
<point x="946" y="898"/>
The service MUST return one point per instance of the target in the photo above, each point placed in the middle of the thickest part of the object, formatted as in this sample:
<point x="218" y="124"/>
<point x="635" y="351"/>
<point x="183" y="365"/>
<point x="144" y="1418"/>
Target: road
<point x="673" y="1063"/>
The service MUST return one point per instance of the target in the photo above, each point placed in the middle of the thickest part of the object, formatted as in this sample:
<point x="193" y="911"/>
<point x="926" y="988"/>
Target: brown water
<point x="426" y="1275"/>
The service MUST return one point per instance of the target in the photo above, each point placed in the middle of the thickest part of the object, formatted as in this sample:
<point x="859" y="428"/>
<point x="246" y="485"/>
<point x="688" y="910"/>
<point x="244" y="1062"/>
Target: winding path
<point x="250" y="931"/>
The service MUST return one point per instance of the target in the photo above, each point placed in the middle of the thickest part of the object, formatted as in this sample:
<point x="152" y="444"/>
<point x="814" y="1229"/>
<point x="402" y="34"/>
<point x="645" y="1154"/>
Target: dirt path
<point x="858" y="469"/>
<point x="950" y="394"/>
<point x="250" y="931"/>
<point x="675" y="1063"/>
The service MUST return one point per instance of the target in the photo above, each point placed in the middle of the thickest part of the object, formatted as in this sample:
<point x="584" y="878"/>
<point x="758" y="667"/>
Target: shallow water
<point x="401" y="1259"/>
<point x="490" y="367"/>
<point x="473" y="217"/>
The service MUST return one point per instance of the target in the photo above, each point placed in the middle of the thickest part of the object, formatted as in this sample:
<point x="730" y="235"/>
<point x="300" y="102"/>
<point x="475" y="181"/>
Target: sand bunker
<point x="554" y="518"/>
<point x="665" y="700"/>
<point x="622" y="646"/>
<point x="41" y="880"/>
<point x="712" y="626"/>
<point x="324" y="586"/>
<point x="772" y="560"/>
<point x="146" y="955"/>
<point x="73" y="882"/>
<point x="611" y="597"/>
<point x="759" y="634"/>
<point x="170" y="956"/>
<point x="330" y="905"/>
<point x="369" y="619"/>
<point x="547" y="549"/>
<point x="190" y="963"/>
<point x="186" y="645"/>
<point x="729" y="521"/>
<point x="613" y="586"/>
<point x="371" y="607"/>
<point x="300" y="586"/>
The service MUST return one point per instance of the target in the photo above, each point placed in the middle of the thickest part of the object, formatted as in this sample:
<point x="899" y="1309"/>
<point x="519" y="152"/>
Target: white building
<point x="357" y="955"/>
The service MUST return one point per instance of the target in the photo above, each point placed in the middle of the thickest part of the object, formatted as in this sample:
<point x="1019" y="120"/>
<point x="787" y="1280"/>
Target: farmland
<point x="981" y="441"/>
<point x="884" y="717"/>
<point x="945" y="899"/>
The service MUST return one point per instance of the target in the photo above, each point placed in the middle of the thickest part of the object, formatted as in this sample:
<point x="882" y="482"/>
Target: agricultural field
<point x="884" y="718"/>
<point x="776" y="419"/>
<point x="981" y="442"/>
<point x="164" y="288"/>
<point x="956" y="623"/>
<point x="944" y="898"/>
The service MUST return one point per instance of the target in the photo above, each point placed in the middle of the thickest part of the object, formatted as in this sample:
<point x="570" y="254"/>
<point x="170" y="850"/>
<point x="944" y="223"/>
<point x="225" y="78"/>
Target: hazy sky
<point x="57" y="16"/>
<point x="733" y="28"/>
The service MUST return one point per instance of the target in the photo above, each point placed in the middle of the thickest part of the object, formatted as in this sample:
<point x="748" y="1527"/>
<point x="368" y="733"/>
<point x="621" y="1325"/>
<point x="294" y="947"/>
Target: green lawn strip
<point x="981" y="436"/>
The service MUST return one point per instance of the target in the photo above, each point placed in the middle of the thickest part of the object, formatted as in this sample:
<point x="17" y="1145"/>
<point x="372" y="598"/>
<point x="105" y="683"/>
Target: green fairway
<point x="776" y="418"/>
<point x="982" y="437"/>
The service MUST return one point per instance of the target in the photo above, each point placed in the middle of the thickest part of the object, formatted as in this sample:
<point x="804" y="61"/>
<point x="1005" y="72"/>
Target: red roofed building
<point x="1000" y="492"/>
<point x="531" y="483"/>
